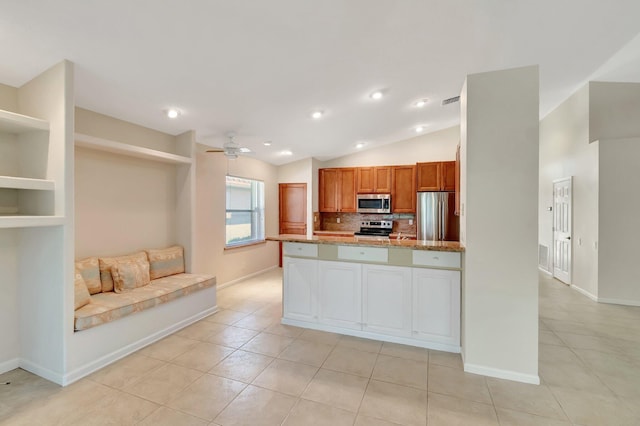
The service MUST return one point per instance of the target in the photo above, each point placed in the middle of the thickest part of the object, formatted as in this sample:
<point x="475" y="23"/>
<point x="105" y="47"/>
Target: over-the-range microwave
<point x="374" y="203"/>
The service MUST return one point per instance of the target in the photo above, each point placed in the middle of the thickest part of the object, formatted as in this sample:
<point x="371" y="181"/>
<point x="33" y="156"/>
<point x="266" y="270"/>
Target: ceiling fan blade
<point x="215" y="150"/>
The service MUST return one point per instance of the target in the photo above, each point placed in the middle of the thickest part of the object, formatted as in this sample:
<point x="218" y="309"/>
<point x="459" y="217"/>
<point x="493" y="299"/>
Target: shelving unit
<point x="26" y="194"/>
<point x="106" y="145"/>
<point x="10" y="122"/>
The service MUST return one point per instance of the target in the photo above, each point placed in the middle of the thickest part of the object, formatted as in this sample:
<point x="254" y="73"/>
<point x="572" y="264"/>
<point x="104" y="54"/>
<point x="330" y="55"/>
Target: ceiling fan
<point x="231" y="149"/>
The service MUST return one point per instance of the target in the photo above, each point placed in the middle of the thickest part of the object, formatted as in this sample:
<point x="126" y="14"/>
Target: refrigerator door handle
<point x="442" y="217"/>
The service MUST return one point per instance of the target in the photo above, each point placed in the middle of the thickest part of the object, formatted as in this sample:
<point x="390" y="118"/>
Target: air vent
<point x="543" y="257"/>
<point x="450" y="100"/>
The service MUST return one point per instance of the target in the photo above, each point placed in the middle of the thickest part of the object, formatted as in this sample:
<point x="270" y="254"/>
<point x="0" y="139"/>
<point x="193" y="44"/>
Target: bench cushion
<point x="110" y="306"/>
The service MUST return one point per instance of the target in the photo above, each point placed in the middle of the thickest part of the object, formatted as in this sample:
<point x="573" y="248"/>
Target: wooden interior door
<point x="293" y="210"/>
<point x="562" y="230"/>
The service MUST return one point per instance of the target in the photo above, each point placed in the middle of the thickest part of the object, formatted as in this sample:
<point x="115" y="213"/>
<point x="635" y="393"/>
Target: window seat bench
<point x="110" y="306"/>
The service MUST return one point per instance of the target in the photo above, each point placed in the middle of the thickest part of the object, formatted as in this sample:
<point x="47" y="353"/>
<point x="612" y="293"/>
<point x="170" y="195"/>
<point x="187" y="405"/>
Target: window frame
<point x="257" y="213"/>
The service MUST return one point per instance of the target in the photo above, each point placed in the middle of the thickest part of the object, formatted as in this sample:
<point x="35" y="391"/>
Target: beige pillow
<point x="128" y="275"/>
<point x="90" y="270"/>
<point x="107" y="262"/>
<point x="81" y="294"/>
<point x="165" y="262"/>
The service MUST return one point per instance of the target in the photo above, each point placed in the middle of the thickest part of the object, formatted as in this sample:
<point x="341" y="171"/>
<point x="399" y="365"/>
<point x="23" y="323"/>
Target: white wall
<point x="499" y="144"/>
<point x="436" y="146"/>
<point x="618" y="274"/>
<point x="8" y="98"/>
<point x="301" y="171"/>
<point x="614" y="110"/>
<point x="565" y="151"/>
<point x="211" y="256"/>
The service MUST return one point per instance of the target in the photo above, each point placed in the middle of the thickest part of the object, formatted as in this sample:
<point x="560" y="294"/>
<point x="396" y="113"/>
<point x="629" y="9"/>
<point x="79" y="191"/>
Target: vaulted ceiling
<point x="261" y="68"/>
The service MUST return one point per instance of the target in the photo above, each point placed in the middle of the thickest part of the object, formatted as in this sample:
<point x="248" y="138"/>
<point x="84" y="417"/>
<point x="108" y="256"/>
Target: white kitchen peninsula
<point x="401" y="291"/>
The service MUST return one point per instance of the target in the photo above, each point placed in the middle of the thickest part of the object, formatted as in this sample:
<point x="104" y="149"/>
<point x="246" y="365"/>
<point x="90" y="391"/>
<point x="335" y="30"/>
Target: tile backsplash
<point x="351" y="221"/>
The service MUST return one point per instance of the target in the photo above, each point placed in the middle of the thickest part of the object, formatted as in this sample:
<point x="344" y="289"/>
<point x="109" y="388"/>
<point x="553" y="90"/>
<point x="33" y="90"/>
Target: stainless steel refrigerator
<point x="435" y="218"/>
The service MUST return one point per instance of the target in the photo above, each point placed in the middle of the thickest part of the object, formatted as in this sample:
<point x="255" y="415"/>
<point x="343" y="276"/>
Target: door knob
<point x="568" y="238"/>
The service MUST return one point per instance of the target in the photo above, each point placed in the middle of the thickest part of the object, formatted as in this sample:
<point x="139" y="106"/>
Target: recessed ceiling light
<point x="266" y="143"/>
<point x="421" y="103"/>
<point x="245" y="150"/>
<point x="377" y="95"/>
<point x="172" y="113"/>
<point x="360" y="145"/>
<point x="316" y="115"/>
<point x="286" y="152"/>
<point x="419" y="129"/>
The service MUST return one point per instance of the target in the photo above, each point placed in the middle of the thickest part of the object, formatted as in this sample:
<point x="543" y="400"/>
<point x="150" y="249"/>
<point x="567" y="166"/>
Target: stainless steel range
<point x="375" y="229"/>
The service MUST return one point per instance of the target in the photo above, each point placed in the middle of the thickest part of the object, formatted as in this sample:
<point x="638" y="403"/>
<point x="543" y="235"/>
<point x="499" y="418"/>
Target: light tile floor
<point x="242" y="367"/>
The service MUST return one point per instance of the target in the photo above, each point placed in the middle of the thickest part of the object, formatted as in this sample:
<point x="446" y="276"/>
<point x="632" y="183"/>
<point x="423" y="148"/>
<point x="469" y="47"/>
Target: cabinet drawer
<point x="443" y="259"/>
<point x="366" y="254"/>
<point x="300" y="249"/>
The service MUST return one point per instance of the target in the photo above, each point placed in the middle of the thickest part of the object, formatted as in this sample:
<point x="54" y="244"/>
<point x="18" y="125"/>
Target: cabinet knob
<point x="436" y="258"/>
<point x="362" y="253"/>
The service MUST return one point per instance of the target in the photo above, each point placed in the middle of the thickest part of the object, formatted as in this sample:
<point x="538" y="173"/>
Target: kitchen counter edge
<point x="453" y="246"/>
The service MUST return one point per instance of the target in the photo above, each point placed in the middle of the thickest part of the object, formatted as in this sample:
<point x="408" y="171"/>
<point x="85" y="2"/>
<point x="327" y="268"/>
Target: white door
<point x="300" y="289"/>
<point x="386" y="307"/>
<point x="340" y="294"/>
<point x="562" y="229"/>
<point x="436" y="305"/>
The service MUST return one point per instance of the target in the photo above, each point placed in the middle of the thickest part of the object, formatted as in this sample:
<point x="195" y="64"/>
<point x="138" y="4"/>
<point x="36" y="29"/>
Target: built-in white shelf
<point x="100" y="144"/>
<point x="11" y="182"/>
<point x="30" y="221"/>
<point x="10" y="122"/>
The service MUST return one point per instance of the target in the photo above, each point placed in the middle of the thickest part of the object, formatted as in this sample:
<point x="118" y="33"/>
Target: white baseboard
<point x="116" y="355"/>
<point x="237" y="280"/>
<point x="544" y="271"/>
<point x="39" y="370"/>
<point x="619" y="301"/>
<point x="375" y="336"/>
<point x="502" y="374"/>
<point x="9" y="365"/>
<point x="584" y="292"/>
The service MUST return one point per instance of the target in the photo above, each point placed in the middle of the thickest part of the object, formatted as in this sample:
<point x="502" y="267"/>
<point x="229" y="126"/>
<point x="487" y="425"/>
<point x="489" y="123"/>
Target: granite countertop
<point x="355" y="241"/>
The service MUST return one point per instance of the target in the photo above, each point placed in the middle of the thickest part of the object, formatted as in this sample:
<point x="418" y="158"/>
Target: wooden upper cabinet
<point x="372" y="180"/>
<point x="337" y="190"/>
<point x="403" y="189"/>
<point x="347" y="190"/>
<point x="328" y="190"/>
<point x="448" y="176"/>
<point x="436" y="176"/>
<point x="428" y="176"/>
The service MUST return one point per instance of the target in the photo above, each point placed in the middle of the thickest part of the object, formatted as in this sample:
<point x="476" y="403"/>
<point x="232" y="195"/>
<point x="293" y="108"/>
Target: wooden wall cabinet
<point x="337" y="192"/>
<point x="403" y="189"/>
<point x="436" y="176"/>
<point x="373" y="180"/>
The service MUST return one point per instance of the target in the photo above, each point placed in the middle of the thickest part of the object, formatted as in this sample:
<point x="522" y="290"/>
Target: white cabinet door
<point x="436" y="305"/>
<point x="340" y="294"/>
<point x="300" y="288"/>
<point x="387" y="299"/>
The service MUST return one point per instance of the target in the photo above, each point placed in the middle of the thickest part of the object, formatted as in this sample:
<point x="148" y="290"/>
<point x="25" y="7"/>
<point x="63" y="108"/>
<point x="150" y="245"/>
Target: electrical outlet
<point x="338" y="220"/>
<point x="410" y="221"/>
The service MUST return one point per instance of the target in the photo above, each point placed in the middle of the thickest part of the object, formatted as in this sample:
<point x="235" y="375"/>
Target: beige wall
<point x="103" y="126"/>
<point x="436" y="146"/>
<point x="565" y="151"/>
<point x="211" y="256"/>
<point x="9" y="306"/>
<point x="499" y="147"/>
<point x="122" y="204"/>
<point x="8" y="98"/>
<point x="618" y="276"/>
<point x="614" y="110"/>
